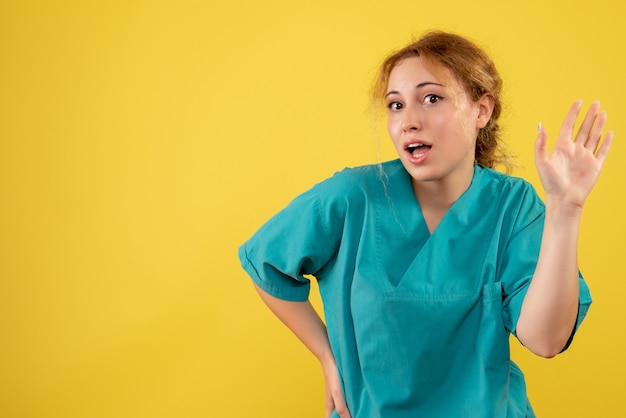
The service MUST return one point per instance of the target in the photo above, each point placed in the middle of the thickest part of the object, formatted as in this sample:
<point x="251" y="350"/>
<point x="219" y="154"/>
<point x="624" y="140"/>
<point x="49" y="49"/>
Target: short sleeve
<point x="519" y="260"/>
<point x="297" y="241"/>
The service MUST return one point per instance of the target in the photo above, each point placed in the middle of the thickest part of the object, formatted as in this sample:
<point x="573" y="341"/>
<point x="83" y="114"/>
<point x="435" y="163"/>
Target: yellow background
<point x="142" y="141"/>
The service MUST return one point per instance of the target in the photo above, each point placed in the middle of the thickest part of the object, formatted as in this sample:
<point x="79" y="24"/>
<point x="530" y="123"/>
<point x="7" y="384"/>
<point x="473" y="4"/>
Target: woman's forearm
<point x="550" y="308"/>
<point x="302" y="319"/>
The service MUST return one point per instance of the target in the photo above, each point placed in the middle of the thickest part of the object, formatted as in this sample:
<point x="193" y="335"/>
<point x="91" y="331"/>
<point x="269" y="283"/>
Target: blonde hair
<point x="473" y="69"/>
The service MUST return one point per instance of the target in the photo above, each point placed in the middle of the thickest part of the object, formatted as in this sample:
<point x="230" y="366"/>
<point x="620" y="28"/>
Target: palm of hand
<point x="570" y="172"/>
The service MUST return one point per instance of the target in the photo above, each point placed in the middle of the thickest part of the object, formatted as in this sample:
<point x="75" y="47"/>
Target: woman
<point x="427" y="263"/>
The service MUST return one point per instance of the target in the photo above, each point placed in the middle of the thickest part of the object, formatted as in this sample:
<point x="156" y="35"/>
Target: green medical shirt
<point x="419" y="323"/>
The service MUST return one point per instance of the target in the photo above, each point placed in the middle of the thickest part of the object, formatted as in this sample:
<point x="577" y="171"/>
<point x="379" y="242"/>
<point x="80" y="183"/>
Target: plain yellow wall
<point x="142" y="141"/>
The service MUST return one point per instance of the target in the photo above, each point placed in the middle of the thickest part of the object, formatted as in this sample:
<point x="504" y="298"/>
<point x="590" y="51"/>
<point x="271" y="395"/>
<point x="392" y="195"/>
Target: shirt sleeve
<point x="519" y="260"/>
<point x="295" y="242"/>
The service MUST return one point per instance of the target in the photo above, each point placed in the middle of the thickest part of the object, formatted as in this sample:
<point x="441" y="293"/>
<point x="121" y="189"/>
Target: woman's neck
<point x="435" y="197"/>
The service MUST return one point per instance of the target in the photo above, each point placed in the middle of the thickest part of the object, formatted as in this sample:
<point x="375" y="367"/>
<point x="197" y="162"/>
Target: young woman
<point x="427" y="263"/>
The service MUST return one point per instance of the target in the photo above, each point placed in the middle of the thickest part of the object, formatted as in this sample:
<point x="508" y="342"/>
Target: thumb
<point x="541" y="151"/>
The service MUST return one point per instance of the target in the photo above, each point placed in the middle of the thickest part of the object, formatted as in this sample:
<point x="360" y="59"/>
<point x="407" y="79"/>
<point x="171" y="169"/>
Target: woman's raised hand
<point x="570" y="171"/>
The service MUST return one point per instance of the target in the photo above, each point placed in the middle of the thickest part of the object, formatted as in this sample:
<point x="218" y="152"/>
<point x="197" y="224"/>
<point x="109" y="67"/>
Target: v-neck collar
<point x="431" y="256"/>
<point x="407" y="207"/>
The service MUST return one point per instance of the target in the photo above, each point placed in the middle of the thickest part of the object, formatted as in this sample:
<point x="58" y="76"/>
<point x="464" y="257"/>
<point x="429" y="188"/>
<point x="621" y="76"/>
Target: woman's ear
<point x="485" y="109"/>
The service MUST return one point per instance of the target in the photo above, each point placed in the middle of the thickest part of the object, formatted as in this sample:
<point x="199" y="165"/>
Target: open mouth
<point x="417" y="149"/>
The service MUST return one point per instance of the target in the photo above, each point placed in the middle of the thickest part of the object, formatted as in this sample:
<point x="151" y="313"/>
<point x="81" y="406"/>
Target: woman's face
<point x="432" y="122"/>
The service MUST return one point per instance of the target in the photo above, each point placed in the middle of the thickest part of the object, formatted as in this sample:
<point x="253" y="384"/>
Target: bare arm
<point x="550" y="307"/>
<point x="302" y="319"/>
<point x="568" y="174"/>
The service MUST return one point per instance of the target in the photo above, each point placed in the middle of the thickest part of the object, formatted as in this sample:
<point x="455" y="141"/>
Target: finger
<point x="541" y="151"/>
<point x="567" y="129"/>
<point x="596" y="132"/>
<point x="604" y="148"/>
<point x="584" y="131"/>
<point x="329" y="406"/>
<point x="340" y="405"/>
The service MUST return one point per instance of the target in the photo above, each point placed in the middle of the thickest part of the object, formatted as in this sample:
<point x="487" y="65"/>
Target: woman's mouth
<point x="417" y="152"/>
<point x="417" y="149"/>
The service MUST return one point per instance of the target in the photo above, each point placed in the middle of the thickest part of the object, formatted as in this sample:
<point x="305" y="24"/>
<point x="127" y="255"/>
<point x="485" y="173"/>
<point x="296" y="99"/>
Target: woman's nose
<point x="411" y="121"/>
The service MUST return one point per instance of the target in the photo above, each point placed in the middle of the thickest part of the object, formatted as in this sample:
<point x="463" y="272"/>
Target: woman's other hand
<point x="334" y="395"/>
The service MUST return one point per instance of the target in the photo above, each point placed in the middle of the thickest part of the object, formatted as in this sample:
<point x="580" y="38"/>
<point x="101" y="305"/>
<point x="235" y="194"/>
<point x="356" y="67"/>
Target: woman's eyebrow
<point x="419" y="86"/>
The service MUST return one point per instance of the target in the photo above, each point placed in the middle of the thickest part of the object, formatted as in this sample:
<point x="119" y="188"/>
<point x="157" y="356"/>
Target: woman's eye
<point x="432" y="98"/>
<point x="394" y="106"/>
